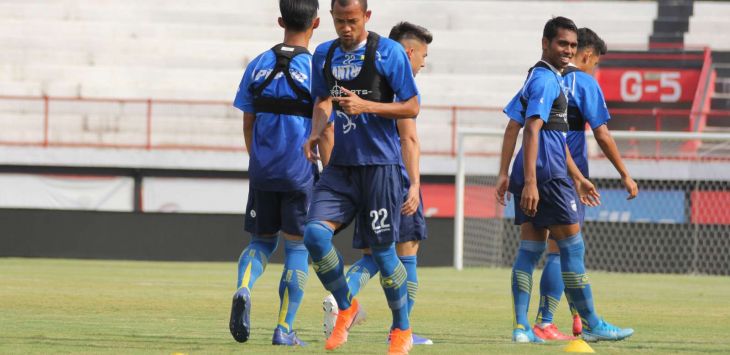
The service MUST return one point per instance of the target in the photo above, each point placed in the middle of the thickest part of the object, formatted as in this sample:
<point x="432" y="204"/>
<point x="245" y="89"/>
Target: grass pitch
<point x="104" y="307"/>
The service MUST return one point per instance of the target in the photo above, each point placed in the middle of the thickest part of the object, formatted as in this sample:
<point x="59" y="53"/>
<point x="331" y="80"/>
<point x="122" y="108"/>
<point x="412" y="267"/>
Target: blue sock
<point x="393" y="279"/>
<point x="551" y="289"/>
<point x="327" y="262"/>
<point x="410" y="262"/>
<point x="528" y="255"/>
<point x="360" y="273"/>
<point x="293" y="279"/>
<point x="577" y="288"/>
<point x="253" y="259"/>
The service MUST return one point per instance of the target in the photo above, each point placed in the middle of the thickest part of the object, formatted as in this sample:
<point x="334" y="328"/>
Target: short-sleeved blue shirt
<point x="365" y="139"/>
<point x="277" y="161"/>
<point x="586" y="104"/>
<point x="541" y="89"/>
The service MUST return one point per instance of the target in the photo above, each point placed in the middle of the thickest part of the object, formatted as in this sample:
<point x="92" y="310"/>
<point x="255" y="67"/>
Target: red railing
<point x="446" y="148"/>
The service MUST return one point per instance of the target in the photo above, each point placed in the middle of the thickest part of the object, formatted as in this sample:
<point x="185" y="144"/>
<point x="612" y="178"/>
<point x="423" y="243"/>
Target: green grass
<point x="92" y="307"/>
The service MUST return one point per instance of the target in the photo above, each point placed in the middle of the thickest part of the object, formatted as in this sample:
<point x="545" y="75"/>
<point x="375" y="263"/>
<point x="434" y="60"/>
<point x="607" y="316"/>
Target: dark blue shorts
<point x="372" y="193"/>
<point x="268" y="212"/>
<point x="412" y="227"/>
<point x="558" y="205"/>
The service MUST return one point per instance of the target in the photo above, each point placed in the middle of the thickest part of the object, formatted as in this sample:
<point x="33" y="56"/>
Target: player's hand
<point x="501" y="192"/>
<point x="587" y="193"/>
<point x="631" y="187"/>
<point x="351" y="103"/>
<point x="412" y="201"/>
<point x="309" y="149"/>
<point x="530" y="198"/>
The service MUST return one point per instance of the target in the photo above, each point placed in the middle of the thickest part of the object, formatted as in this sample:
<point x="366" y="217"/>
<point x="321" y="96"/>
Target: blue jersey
<point x="541" y="96"/>
<point x="277" y="161"/>
<point x="365" y="139"/>
<point x="585" y="104"/>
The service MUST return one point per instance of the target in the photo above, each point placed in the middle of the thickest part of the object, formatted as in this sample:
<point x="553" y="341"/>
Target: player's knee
<point x="317" y="234"/>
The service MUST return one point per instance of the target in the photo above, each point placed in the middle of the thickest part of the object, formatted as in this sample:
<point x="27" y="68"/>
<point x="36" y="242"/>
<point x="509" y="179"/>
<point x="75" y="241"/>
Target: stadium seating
<point x="166" y="49"/>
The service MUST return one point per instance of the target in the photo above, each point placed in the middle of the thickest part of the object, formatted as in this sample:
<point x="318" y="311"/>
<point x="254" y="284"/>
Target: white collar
<point x="556" y="71"/>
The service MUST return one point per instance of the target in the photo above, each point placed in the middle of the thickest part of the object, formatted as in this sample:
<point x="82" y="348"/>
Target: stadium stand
<point x="196" y="51"/>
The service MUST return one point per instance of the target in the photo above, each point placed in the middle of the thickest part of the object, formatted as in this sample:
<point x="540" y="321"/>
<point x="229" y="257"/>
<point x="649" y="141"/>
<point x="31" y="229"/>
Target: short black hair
<point x="555" y="23"/>
<point x="363" y="3"/>
<point x="407" y="30"/>
<point x="298" y="14"/>
<point x="589" y="39"/>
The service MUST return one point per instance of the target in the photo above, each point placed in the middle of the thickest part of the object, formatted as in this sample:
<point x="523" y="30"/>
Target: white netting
<point x="680" y="223"/>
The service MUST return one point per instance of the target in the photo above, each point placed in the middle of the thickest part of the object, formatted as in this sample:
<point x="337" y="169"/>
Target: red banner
<point x="648" y="85"/>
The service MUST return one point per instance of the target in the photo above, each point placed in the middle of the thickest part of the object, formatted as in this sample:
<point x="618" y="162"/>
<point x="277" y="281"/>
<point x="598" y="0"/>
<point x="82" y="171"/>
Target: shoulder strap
<point x="284" y="55"/>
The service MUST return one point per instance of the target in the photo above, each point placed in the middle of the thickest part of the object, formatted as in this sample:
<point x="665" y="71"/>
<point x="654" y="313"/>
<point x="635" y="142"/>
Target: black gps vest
<point x="557" y="121"/>
<point x="302" y="105"/>
<point x="368" y="84"/>
<point x="576" y="121"/>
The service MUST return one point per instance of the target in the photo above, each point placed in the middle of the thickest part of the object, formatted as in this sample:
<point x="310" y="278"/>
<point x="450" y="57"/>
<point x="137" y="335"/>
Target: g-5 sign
<point x="648" y="85"/>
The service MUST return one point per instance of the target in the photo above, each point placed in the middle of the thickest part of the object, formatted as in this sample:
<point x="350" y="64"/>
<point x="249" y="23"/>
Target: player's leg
<point x="551" y="290"/>
<point x="532" y="245"/>
<point x="332" y="206"/>
<point x="296" y="266"/>
<point x="357" y="277"/>
<point x="262" y="221"/>
<point x="577" y="287"/>
<point x="383" y="211"/>
<point x="412" y="232"/>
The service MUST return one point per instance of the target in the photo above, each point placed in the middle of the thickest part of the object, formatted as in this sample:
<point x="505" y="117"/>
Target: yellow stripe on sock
<point x="284" y="310"/>
<point x="246" y="276"/>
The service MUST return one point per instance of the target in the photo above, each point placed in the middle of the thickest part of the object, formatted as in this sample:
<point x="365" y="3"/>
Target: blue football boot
<point x="525" y="336"/>
<point x="240" y="323"/>
<point x="605" y="331"/>
<point x="290" y="339"/>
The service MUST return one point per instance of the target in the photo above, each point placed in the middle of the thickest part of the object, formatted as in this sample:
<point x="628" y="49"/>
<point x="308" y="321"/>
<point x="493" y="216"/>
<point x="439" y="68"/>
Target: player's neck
<point x="300" y="39"/>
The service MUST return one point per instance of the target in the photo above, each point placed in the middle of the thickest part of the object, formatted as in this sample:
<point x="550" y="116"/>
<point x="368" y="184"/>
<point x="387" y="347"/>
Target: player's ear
<point x="545" y="43"/>
<point x="367" y="15"/>
<point x="281" y="23"/>
<point x="315" y="23"/>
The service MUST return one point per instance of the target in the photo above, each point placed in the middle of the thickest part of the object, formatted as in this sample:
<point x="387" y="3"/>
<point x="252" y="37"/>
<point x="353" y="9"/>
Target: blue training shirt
<point x="365" y="139"/>
<point x="541" y="90"/>
<point x="277" y="161"/>
<point x="586" y="103"/>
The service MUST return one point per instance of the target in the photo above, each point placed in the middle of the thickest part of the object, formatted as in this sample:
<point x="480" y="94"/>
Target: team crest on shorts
<point x="573" y="205"/>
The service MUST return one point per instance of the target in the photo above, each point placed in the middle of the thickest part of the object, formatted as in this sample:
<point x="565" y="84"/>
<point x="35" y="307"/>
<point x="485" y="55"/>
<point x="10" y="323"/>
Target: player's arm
<point x="608" y="147"/>
<point x="326" y="143"/>
<point x="249" y="119"/>
<point x="411" y="151"/>
<point x="320" y="116"/>
<point x="530" y="195"/>
<point x="508" y="150"/>
<point x="354" y="105"/>
<point x="587" y="192"/>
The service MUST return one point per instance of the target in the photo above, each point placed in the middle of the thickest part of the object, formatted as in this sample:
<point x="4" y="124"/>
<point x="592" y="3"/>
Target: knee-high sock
<point x="410" y="262"/>
<point x="577" y="287"/>
<point x="551" y="288"/>
<point x="327" y="262"/>
<point x="293" y="279"/>
<point x="527" y="257"/>
<point x="253" y="259"/>
<point x="360" y="273"/>
<point x="393" y="279"/>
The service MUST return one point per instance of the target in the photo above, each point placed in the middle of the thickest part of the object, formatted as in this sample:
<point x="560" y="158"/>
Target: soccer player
<point x="415" y="40"/>
<point x="541" y="182"/>
<point x="585" y="105"/>
<point x="358" y="75"/>
<point x="275" y="97"/>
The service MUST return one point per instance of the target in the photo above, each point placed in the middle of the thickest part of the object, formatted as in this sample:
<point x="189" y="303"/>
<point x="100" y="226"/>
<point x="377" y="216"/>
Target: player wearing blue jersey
<point x="358" y="75"/>
<point x="541" y="181"/>
<point x="275" y="98"/>
<point x="415" y="40"/>
<point x="585" y="105"/>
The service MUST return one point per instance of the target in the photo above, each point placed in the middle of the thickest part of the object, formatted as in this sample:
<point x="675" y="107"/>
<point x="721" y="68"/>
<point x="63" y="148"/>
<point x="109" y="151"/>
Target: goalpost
<point x="679" y="223"/>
